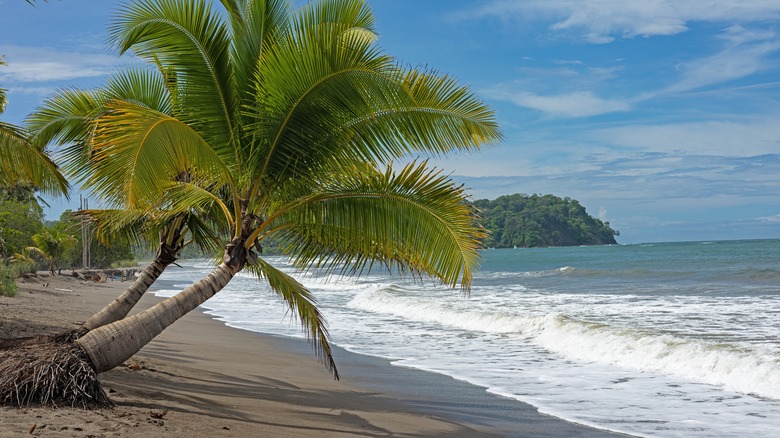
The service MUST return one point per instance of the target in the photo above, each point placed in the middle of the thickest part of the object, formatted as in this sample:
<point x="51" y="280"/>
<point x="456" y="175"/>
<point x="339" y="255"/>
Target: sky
<point x="659" y="116"/>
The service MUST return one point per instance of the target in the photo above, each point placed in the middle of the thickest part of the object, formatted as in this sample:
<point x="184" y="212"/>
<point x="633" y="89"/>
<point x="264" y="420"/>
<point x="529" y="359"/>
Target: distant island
<point x="525" y="221"/>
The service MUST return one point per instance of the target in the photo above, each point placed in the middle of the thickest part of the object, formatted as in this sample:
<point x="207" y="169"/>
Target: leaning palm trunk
<point x="114" y="311"/>
<point x="110" y="345"/>
<point x="121" y="306"/>
<point x="51" y="373"/>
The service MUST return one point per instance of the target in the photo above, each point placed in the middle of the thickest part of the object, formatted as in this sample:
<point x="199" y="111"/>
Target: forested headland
<point x="525" y="221"/>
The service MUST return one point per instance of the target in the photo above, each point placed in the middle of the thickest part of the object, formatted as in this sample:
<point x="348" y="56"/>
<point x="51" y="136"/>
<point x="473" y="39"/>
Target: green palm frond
<point x="66" y="119"/>
<point x="254" y="24"/>
<point x="366" y="108"/>
<point x="3" y="99"/>
<point x="300" y="301"/>
<point x="145" y="87"/>
<point x="118" y="225"/>
<point x="52" y="244"/>
<point x="151" y="227"/>
<point x="191" y="40"/>
<point x="21" y="163"/>
<point x="185" y="197"/>
<point x="416" y="219"/>
<point x="137" y="149"/>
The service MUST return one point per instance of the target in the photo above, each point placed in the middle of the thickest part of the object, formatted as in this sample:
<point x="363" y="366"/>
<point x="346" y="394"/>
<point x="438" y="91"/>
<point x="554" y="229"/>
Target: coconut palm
<point x="290" y="120"/>
<point x="22" y="164"/>
<point x="67" y="119"/>
<point x="51" y="245"/>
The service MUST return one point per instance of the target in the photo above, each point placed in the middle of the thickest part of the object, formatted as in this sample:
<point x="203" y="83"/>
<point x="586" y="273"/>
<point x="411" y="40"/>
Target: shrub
<point x="7" y="281"/>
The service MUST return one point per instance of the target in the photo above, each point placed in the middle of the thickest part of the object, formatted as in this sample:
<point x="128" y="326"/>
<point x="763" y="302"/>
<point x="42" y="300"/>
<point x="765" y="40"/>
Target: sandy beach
<point x="201" y="378"/>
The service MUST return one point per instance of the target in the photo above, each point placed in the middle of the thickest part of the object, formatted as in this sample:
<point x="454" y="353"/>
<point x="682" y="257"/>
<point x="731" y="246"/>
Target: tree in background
<point x="112" y="254"/>
<point x="19" y="221"/>
<point x="541" y="220"/>
<point x="52" y="245"/>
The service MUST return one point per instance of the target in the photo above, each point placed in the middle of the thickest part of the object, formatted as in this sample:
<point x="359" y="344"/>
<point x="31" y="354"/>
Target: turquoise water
<point x="674" y="339"/>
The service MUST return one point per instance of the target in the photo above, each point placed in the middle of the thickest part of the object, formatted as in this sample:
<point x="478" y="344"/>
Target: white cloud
<point x="40" y="64"/>
<point x="741" y="58"/>
<point x="601" y="21"/>
<point x="37" y="91"/>
<point x="724" y="138"/>
<point x="574" y="104"/>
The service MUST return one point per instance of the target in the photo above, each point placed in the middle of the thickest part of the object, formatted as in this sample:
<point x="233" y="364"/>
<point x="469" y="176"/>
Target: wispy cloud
<point x="745" y="53"/>
<point x="41" y="64"/>
<point x="35" y="91"/>
<point x="562" y="90"/>
<point x="602" y="21"/>
<point x="574" y="104"/>
<point x="772" y="219"/>
<point x="732" y="138"/>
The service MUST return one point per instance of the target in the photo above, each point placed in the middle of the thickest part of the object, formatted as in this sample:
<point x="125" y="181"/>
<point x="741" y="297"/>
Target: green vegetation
<point x="19" y="221"/>
<point x="52" y="245"/>
<point x="7" y="281"/>
<point x="532" y="221"/>
<point x="119" y="254"/>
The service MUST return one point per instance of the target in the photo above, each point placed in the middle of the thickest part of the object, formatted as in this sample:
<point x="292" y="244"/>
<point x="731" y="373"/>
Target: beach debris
<point x="158" y="415"/>
<point x="32" y="429"/>
<point x="63" y="290"/>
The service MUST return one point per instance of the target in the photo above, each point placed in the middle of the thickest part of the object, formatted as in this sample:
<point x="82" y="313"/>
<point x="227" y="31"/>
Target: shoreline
<point x="215" y="380"/>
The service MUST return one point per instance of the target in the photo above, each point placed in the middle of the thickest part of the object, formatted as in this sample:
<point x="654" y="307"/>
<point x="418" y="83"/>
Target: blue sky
<point x="660" y="116"/>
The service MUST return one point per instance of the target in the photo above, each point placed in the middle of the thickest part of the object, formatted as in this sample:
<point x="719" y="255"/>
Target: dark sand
<point x="215" y="381"/>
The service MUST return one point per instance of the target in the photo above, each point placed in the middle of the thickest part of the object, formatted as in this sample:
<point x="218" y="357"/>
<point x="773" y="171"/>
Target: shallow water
<point x="674" y="339"/>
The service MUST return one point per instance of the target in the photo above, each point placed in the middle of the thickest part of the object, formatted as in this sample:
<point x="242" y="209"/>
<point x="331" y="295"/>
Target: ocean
<point x="655" y="340"/>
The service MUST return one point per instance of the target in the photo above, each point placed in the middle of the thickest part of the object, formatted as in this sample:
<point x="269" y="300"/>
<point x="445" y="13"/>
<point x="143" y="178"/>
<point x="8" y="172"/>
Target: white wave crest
<point x="742" y="370"/>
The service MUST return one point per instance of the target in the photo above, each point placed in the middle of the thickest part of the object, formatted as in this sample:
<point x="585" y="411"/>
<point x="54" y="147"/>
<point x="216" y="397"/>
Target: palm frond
<point x="366" y="107"/>
<point x="66" y="118"/>
<point x="415" y="219"/>
<point x="254" y="24"/>
<point x="119" y="225"/>
<point x="300" y="301"/>
<point x="189" y="198"/>
<point x="143" y="86"/>
<point x="22" y="163"/>
<point x="137" y="149"/>
<point x="192" y="41"/>
<point x="151" y="227"/>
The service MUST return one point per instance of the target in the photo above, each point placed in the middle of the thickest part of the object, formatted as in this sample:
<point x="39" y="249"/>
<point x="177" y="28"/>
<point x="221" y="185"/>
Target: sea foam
<point x="748" y="371"/>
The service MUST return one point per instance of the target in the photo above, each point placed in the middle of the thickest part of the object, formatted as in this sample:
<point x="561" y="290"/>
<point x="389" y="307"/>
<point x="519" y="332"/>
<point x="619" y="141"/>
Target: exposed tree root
<point x="46" y="373"/>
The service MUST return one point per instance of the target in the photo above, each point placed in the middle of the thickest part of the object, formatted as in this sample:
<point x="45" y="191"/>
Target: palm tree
<point x="67" y="119"/>
<point x="51" y="245"/>
<point x="22" y="164"/>
<point x="289" y="122"/>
